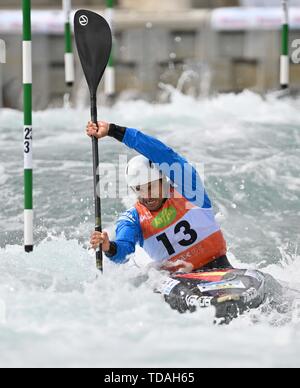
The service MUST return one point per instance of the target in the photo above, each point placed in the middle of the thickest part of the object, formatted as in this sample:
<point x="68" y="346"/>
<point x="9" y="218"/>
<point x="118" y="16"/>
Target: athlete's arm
<point x="174" y="166"/>
<point x="128" y="234"/>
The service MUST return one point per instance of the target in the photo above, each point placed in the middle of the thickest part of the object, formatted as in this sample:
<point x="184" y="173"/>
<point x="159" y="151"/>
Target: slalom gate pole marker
<point x="69" y="55"/>
<point x="285" y="59"/>
<point x="2" y="51"/>
<point x="27" y="98"/>
<point x="110" y="73"/>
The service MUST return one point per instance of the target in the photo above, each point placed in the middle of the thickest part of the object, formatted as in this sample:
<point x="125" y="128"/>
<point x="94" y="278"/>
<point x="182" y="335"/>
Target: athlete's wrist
<point x="112" y="251"/>
<point x="117" y="132"/>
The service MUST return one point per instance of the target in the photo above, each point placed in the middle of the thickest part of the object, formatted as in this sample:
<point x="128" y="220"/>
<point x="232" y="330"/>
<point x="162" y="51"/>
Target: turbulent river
<point x="56" y="311"/>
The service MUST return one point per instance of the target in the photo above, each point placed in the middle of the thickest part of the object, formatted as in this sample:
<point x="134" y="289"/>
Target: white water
<point x="52" y="310"/>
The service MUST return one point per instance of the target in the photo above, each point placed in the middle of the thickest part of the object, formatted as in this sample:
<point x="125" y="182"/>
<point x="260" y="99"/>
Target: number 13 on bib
<point x="181" y="235"/>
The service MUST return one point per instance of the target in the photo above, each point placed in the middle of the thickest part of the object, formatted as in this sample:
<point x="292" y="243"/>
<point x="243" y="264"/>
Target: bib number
<point x="28" y="138"/>
<point x="187" y="231"/>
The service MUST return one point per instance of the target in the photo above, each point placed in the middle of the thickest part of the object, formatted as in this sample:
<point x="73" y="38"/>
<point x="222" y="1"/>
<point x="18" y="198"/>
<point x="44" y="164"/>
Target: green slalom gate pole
<point x="285" y="59"/>
<point x="110" y="73"/>
<point x="69" y="55"/>
<point x="27" y="84"/>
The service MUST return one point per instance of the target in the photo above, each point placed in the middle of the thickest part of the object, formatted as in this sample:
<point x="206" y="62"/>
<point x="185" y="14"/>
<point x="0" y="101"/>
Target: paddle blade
<point x="94" y="43"/>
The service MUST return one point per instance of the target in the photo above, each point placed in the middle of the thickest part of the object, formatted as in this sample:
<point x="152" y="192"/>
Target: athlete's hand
<point x="100" y="238"/>
<point x="98" y="132"/>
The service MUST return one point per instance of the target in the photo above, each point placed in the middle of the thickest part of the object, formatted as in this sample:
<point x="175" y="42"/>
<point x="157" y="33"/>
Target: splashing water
<point x="55" y="311"/>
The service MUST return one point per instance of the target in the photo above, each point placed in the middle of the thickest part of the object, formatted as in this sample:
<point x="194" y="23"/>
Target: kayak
<point x="232" y="292"/>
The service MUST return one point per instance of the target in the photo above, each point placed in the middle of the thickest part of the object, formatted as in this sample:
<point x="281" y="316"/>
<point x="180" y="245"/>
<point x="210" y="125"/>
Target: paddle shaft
<point x="98" y="218"/>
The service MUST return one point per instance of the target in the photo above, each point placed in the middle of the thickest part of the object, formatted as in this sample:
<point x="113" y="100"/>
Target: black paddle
<point x="94" y="43"/>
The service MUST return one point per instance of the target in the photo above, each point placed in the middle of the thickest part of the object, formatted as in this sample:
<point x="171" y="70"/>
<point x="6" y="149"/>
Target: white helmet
<point x="141" y="171"/>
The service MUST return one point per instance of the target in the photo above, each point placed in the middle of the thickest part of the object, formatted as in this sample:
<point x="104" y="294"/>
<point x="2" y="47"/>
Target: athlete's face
<point x="152" y="195"/>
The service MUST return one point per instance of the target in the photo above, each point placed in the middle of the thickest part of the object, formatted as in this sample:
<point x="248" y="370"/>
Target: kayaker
<point x="173" y="219"/>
